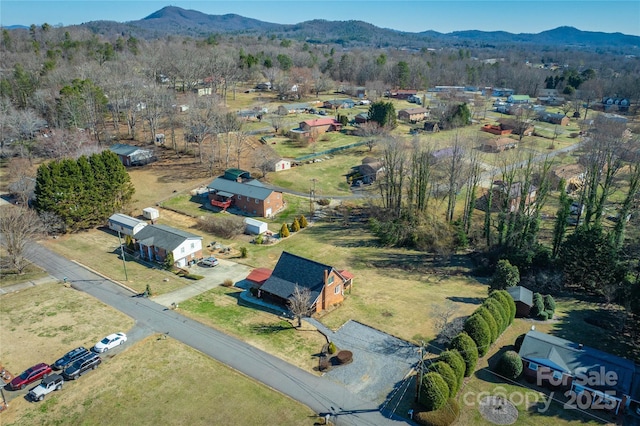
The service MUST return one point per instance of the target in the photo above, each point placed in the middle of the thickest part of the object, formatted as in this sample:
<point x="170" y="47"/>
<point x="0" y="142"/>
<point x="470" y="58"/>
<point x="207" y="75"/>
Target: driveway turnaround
<point x="321" y="395"/>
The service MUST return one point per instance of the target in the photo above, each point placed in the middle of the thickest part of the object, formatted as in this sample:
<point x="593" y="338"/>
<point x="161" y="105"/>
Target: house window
<point x="193" y="245"/>
<point x="157" y="249"/>
<point x="257" y="201"/>
<point x="239" y="197"/>
<point x="336" y="290"/>
<point x="182" y="250"/>
<point x="330" y="280"/>
<point x="248" y="199"/>
<point x="533" y="366"/>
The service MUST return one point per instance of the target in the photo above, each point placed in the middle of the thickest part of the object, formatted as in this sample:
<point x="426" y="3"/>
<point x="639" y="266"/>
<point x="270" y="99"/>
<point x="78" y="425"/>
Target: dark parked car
<point x="30" y="375"/>
<point x="89" y="361"/>
<point x="69" y="357"/>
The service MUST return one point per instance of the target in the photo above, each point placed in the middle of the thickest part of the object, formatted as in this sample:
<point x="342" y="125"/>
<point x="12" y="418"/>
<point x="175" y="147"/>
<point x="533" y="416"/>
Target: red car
<point x="30" y="375"/>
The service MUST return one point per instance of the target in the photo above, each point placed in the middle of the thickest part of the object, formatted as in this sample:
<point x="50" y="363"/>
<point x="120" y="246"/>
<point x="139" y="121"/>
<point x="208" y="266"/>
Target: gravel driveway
<point x="380" y="360"/>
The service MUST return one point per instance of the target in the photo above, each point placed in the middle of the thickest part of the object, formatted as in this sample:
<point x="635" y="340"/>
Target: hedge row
<point x="444" y="377"/>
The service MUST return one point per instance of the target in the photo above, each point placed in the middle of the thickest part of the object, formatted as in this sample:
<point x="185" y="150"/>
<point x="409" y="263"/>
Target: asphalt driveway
<point x="213" y="277"/>
<point x="380" y="361"/>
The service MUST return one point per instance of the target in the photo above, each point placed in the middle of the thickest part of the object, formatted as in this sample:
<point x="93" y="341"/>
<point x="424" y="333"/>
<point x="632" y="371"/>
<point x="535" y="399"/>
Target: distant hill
<point x="178" y="21"/>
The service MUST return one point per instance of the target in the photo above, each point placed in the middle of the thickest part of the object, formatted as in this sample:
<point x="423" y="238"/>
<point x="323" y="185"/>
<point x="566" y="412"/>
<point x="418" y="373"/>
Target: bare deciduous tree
<point x="19" y="227"/>
<point x="443" y="315"/>
<point x="300" y="303"/>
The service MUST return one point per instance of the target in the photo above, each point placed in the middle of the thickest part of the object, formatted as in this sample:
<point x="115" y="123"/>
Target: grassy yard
<point x="219" y="308"/>
<point x="161" y="381"/>
<point x="30" y="273"/>
<point x="42" y="323"/>
<point x="99" y="250"/>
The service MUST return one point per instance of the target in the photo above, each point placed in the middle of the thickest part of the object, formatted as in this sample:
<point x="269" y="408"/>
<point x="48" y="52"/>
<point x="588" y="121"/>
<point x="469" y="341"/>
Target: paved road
<point x="321" y="395"/>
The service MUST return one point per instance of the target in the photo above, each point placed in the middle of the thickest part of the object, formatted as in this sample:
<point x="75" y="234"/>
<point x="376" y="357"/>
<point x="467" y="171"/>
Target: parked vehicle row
<point x="71" y="366"/>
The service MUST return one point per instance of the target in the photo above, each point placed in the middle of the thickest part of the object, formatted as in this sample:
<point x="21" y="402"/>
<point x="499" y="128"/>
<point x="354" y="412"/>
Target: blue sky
<point x="515" y="16"/>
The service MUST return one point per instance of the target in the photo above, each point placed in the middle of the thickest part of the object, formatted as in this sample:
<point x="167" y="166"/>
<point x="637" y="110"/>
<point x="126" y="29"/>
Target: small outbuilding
<point x="151" y="214"/>
<point x="125" y="225"/>
<point x="523" y="298"/>
<point x="254" y="226"/>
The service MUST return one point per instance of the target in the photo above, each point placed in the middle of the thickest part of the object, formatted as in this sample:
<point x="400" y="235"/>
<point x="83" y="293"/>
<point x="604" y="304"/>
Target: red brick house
<point x="325" y="283"/>
<point x="251" y="197"/>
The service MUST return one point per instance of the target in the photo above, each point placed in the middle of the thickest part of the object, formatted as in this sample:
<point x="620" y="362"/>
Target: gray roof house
<point x="250" y="197"/>
<point x="156" y="242"/>
<point x="523" y="298"/>
<point x="561" y="363"/>
<point x="125" y="224"/>
<point x="253" y="188"/>
<point x="325" y="283"/>
<point x="133" y="155"/>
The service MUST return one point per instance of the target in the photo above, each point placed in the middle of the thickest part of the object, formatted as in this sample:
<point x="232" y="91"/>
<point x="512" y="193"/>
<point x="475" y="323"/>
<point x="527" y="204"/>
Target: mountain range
<point x="172" y="20"/>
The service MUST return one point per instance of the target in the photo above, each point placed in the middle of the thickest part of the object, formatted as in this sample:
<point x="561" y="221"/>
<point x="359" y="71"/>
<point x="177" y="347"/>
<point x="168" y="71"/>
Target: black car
<point x="69" y="357"/>
<point x="89" y="361"/>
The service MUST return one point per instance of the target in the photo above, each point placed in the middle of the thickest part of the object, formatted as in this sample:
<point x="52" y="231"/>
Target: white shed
<point x="254" y="226"/>
<point x="150" y="213"/>
<point x="282" y="164"/>
<point x="126" y="225"/>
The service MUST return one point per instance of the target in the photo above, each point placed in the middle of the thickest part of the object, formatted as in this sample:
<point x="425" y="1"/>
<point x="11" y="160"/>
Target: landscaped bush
<point x="538" y="306"/>
<point x="433" y="391"/>
<point x="499" y="314"/>
<point x="192" y="276"/>
<point x="284" y="231"/>
<point x="510" y="365"/>
<point x="332" y="348"/>
<point x="228" y="282"/>
<point x="549" y="305"/>
<point x="344" y="357"/>
<point x="506" y="301"/>
<point x="478" y="330"/>
<point x="295" y="226"/>
<point x="243" y="252"/>
<point x="324" y="201"/>
<point x="445" y="416"/>
<point x="467" y="348"/>
<point x="518" y="343"/>
<point x="453" y="358"/>
<point x="543" y="316"/>
<point x="491" y="322"/>
<point x="446" y="372"/>
<point x="303" y="222"/>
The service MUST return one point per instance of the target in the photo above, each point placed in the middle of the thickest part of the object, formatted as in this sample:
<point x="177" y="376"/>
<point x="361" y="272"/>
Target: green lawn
<point x="30" y="273"/>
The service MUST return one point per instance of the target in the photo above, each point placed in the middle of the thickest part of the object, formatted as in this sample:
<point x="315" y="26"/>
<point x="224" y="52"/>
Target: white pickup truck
<point x="49" y="384"/>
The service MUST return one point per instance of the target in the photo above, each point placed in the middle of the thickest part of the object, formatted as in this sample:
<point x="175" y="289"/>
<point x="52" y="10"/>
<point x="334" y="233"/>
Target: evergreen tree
<point x="383" y="113"/>
<point x="295" y="226"/>
<point x="505" y="275"/>
<point x="303" y="222"/>
<point x="562" y="216"/>
<point x="284" y="231"/>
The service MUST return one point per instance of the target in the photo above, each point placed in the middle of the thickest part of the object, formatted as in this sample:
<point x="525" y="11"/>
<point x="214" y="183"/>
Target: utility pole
<point x="124" y="264"/>
<point x="312" y="197"/>
<point x="420" y="369"/>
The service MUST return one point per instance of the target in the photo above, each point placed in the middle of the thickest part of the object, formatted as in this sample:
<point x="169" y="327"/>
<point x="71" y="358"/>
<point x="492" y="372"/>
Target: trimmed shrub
<point x="498" y="312"/>
<point x="491" y="321"/>
<point x="447" y="373"/>
<point x="478" y="330"/>
<point x="538" y="306"/>
<point x="506" y="301"/>
<point x="510" y="365"/>
<point x="295" y="226"/>
<point x="344" y="357"/>
<point x="332" y="348"/>
<point x="284" y="231"/>
<point x="467" y="348"/>
<point x="303" y="222"/>
<point x="453" y="358"/>
<point x="543" y="316"/>
<point x="549" y="314"/>
<point x="445" y="416"/>
<point x="433" y="391"/>
<point x="518" y="343"/>
<point x="549" y="304"/>
<point x="228" y="282"/>
<point x="243" y="252"/>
